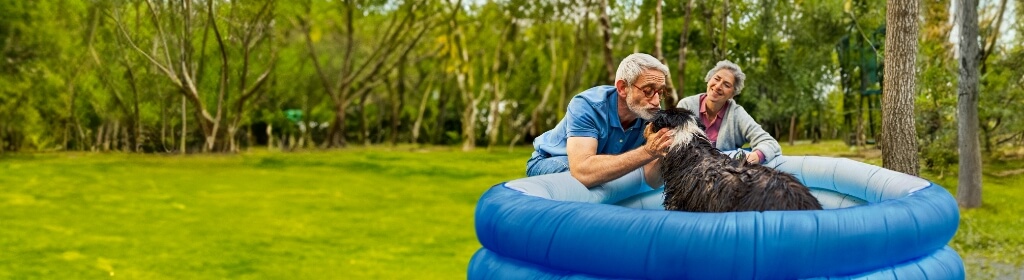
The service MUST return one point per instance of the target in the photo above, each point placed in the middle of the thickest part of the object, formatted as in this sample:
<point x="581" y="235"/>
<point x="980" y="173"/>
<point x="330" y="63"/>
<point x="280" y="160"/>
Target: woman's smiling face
<point x="721" y="86"/>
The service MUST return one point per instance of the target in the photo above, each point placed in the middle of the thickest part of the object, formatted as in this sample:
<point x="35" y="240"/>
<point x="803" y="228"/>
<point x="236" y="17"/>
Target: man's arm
<point x="592" y="169"/>
<point x="652" y="174"/>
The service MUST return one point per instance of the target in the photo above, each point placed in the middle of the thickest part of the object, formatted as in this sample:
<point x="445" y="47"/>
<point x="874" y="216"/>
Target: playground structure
<point x="877" y="224"/>
<point x="861" y="76"/>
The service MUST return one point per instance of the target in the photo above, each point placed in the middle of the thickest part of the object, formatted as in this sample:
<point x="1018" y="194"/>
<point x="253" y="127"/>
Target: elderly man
<point x="602" y="137"/>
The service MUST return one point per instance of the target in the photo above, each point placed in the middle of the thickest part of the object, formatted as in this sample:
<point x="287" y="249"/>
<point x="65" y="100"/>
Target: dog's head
<point x="682" y="122"/>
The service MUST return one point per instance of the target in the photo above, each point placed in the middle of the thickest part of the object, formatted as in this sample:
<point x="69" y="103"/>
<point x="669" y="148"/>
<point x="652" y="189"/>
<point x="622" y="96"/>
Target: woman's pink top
<point x="711" y="127"/>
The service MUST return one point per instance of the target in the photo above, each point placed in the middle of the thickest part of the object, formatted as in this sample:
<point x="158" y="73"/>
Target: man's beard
<point x="638" y="109"/>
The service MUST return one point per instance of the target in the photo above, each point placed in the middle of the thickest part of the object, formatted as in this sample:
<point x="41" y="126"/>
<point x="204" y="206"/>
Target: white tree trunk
<point x="606" y="35"/>
<point x="969" y="184"/>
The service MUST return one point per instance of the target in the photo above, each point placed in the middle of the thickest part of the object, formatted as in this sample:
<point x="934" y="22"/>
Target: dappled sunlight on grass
<point x="362" y="212"/>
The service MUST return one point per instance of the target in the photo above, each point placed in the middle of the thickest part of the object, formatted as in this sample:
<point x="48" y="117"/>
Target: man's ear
<point x="620" y="86"/>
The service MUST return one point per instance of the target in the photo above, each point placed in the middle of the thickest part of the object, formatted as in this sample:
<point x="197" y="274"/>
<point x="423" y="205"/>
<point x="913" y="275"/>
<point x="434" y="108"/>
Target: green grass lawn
<point x="357" y="213"/>
<point x="990" y="237"/>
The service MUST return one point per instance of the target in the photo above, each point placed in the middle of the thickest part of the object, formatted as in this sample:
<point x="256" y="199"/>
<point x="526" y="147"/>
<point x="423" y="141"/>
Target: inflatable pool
<point x="877" y="224"/>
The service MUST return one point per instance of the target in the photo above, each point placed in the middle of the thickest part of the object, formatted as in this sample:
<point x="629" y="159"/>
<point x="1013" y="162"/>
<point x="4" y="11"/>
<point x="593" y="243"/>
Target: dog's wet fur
<point x="700" y="178"/>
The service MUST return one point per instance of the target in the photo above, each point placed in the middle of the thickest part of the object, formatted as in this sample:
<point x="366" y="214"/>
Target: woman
<point x="726" y="124"/>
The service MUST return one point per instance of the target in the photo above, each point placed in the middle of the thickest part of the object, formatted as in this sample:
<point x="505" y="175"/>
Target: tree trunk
<point x="992" y="41"/>
<point x="270" y="136"/>
<point x="792" y="129"/>
<point x="98" y="146"/>
<point x="470" y="101"/>
<point x="680" y="88"/>
<point x="722" y="48"/>
<point x="163" y="125"/>
<point x="493" y="123"/>
<point x="606" y="35"/>
<point x="351" y="79"/>
<point x="497" y="87"/>
<point x="899" y="147"/>
<point x="709" y="31"/>
<point x="988" y="46"/>
<point x="397" y="103"/>
<point x="442" y="112"/>
<point x="581" y="44"/>
<point x="136" y="131"/>
<point x="658" y="52"/>
<point x="534" y="125"/>
<point x="421" y="110"/>
<point x="336" y="133"/>
<point x="178" y="67"/>
<point x="113" y="140"/>
<point x="246" y="91"/>
<point x="859" y="132"/>
<point x="469" y="125"/>
<point x="494" y="111"/>
<point x="658" y="36"/>
<point x="74" y="116"/>
<point x="364" y="128"/>
<point x="969" y="184"/>
<point x="184" y="124"/>
<point x="232" y="144"/>
<point x="465" y="81"/>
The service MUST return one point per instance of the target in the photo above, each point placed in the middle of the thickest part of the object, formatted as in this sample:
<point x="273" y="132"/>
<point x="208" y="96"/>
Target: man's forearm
<point x="652" y="174"/>
<point x="599" y="169"/>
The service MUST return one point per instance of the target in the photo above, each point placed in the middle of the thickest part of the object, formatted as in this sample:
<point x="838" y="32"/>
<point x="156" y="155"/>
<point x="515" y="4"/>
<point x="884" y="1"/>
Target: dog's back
<point x="770" y="189"/>
<point x="699" y="178"/>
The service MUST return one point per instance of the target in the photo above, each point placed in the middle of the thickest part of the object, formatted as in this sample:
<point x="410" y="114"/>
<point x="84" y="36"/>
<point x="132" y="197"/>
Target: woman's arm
<point x="752" y="133"/>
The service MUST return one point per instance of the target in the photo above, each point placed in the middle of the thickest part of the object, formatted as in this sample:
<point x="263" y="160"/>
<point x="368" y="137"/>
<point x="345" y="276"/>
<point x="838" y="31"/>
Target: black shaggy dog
<point x="700" y="178"/>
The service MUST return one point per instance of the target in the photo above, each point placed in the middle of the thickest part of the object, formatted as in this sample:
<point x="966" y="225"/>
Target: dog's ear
<point x="681" y="116"/>
<point x="677" y="111"/>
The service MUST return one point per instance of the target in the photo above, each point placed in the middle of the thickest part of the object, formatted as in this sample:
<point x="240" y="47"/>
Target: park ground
<point x="356" y="213"/>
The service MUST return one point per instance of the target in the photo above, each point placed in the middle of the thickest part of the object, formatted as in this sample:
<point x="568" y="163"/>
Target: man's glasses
<point x="650" y="92"/>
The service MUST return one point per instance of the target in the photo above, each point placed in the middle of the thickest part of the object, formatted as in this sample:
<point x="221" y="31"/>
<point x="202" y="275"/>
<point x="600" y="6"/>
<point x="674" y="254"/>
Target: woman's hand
<point x="752" y="158"/>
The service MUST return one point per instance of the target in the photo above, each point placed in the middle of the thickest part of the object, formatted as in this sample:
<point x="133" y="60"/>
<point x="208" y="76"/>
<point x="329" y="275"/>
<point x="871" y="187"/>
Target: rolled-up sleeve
<point x="582" y="120"/>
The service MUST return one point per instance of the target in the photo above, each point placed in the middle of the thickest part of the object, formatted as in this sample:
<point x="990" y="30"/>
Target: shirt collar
<point x="704" y="108"/>
<point x="614" y="96"/>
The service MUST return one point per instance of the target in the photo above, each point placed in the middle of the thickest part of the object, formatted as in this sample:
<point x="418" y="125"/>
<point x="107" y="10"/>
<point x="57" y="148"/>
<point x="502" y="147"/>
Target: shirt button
<point x="620" y="140"/>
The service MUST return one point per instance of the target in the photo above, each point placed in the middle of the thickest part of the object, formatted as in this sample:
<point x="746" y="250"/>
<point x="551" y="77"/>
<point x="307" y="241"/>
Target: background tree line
<point x="212" y="76"/>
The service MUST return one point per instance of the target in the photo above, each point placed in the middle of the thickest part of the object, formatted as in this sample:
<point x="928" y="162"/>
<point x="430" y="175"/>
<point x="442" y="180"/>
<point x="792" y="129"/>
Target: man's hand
<point x="657" y="142"/>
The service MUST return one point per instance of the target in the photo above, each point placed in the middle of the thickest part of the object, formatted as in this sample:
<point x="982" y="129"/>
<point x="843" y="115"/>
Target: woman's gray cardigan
<point x="737" y="129"/>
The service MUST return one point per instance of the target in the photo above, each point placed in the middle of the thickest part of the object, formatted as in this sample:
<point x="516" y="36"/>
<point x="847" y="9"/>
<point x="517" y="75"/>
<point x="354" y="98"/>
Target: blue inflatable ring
<point x="878" y="224"/>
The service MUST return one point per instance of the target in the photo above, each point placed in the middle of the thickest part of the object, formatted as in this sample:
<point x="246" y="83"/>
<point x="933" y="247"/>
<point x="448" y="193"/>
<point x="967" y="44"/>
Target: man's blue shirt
<point x="592" y="113"/>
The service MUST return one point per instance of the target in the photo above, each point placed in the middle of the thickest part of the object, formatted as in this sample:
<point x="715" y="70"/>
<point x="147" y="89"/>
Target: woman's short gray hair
<point x="633" y="65"/>
<point x="736" y="72"/>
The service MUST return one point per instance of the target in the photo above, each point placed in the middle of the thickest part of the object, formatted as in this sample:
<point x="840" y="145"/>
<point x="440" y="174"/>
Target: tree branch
<point x="167" y="71"/>
<point x="160" y="31"/>
<point x="316" y="60"/>
<point x="221" y="95"/>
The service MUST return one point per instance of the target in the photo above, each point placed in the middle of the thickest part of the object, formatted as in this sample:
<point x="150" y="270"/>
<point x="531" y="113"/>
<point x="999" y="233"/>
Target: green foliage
<point x="71" y="74"/>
